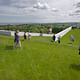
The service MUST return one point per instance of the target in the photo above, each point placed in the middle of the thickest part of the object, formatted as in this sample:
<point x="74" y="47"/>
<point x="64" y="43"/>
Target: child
<point x="17" y="39"/>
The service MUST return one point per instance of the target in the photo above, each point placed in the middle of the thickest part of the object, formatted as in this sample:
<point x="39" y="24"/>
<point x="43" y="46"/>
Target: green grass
<point x="40" y="59"/>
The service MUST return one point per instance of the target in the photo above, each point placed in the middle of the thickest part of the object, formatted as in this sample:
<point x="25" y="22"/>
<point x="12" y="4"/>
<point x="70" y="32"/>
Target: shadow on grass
<point x="22" y="40"/>
<point x="9" y="48"/>
<point x="75" y="67"/>
<point x="69" y="43"/>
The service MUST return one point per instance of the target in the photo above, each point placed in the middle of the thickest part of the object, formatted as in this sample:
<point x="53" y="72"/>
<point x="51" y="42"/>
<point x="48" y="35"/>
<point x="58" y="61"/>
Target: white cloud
<point x="54" y="10"/>
<point x="76" y="10"/>
<point x="41" y="6"/>
<point x="21" y="9"/>
<point x="50" y="10"/>
<point x="30" y="9"/>
<point x="44" y="6"/>
<point x="22" y="3"/>
<point x="77" y="4"/>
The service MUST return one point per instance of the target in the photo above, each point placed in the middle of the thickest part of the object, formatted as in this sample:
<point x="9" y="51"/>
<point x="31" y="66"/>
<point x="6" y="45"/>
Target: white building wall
<point x="64" y="32"/>
<point x="4" y="32"/>
<point x="11" y="33"/>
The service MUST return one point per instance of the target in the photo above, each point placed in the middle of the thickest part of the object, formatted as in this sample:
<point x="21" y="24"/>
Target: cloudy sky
<point x="39" y="11"/>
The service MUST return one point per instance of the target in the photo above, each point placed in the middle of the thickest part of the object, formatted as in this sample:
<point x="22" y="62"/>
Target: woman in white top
<point x="29" y="36"/>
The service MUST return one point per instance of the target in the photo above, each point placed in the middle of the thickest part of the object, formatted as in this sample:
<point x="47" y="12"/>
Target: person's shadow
<point x="9" y="47"/>
<point x="75" y="67"/>
<point x="69" y="43"/>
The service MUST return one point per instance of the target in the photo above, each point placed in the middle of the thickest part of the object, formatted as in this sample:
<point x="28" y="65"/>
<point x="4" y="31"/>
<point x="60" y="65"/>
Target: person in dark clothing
<point x="41" y="34"/>
<point x="17" y="39"/>
<point x="79" y="50"/>
<point x="54" y="37"/>
<point x="25" y="36"/>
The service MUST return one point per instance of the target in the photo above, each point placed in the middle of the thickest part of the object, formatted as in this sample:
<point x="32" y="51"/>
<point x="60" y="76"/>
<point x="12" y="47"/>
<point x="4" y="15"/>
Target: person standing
<point x="54" y="38"/>
<point x="41" y="34"/>
<point x="59" y="39"/>
<point x="25" y="36"/>
<point x="29" y="36"/>
<point x="17" y="39"/>
<point x="71" y="39"/>
<point x="79" y="50"/>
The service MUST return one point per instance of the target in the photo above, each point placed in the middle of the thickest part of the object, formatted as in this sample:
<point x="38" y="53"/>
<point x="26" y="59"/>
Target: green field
<point x="40" y="59"/>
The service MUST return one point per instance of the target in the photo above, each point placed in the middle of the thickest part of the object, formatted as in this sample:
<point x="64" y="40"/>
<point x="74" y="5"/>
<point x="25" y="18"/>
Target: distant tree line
<point x="44" y="28"/>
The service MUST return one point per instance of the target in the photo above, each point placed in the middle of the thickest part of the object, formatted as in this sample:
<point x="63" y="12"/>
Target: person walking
<point x="71" y="39"/>
<point x="17" y="39"/>
<point x="59" y="39"/>
<point x="54" y="38"/>
<point x="79" y="50"/>
<point x="29" y="36"/>
<point x="25" y="36"/>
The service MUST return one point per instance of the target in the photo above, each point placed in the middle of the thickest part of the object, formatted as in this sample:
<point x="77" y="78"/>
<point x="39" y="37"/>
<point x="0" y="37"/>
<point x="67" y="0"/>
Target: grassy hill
<point x="40" y="59"/>
<point x="75" y="33"/>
